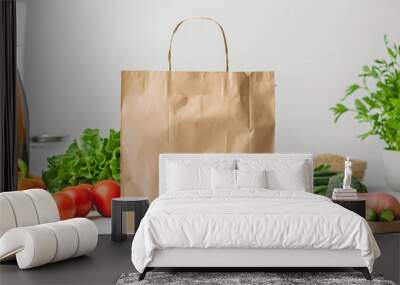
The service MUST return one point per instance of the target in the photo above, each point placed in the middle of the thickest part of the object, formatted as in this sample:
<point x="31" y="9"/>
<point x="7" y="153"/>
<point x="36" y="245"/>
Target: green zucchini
<point x="319" y="181"/>
<point x="321" y="190"/>
<point x="322" y="167"/>
<point x="324" y="173"/>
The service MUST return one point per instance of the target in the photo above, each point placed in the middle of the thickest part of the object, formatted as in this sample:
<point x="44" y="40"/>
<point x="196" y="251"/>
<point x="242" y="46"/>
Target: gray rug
<point x="269" y="278"/>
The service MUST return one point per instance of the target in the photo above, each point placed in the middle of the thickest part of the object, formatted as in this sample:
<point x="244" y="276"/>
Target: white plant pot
<point x="391" y="165"/>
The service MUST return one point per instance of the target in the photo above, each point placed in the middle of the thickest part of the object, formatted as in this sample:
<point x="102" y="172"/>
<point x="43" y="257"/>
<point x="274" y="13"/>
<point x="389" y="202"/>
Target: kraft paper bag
<point x="191" y="112"/>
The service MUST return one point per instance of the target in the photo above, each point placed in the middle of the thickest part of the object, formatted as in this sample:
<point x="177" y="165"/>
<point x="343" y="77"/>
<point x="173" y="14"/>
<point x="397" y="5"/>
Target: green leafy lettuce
<point x="87" y="160"/>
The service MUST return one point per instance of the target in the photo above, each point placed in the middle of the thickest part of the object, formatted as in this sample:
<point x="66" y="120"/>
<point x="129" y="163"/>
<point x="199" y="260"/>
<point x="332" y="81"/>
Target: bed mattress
<point x="250" y="219"/>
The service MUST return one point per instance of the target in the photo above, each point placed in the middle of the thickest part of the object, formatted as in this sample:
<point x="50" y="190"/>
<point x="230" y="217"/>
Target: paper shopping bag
<point x="191" y="112"/>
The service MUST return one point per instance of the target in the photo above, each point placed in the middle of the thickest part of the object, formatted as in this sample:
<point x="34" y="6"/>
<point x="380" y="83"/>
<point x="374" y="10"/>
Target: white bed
<point x="249" y="227"/>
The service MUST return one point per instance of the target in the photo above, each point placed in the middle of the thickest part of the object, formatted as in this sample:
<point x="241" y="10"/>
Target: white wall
<point x="73" y="52"/>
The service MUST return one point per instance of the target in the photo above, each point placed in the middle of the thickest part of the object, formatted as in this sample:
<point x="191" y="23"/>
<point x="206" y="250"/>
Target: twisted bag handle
<point x="199" y="18"/>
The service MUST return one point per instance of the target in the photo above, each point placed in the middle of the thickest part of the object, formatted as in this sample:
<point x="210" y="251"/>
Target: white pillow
<point x="223" y="179"/>
<point x="288" y="179"/>
<point x="185" y="177"/>
<point x="187" y="174"/>
<point x="282" y="174"/>
<point x="237" y="179"/>
<point x="251" y="178"/>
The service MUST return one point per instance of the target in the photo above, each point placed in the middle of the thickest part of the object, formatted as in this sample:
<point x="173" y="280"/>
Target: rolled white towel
<point x="46" y="207"/>
<point x="87" y="235"/>
<point x="7" y="218"/>
<point x="37" y="245"/>
<point x="23" y="208"/>
<point x="67" y="240"/>
<point x="33" y="246"/>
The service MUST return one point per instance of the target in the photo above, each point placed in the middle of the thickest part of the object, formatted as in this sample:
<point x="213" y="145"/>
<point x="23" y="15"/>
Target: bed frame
<point x="244" y="259"/>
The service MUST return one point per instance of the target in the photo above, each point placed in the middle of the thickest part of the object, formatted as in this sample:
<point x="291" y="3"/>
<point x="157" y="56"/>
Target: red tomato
<point x="103" y="192"/>
<point x="82" y="196"/>
<point x="65" y="204"/>
<point x="86" y="186"/>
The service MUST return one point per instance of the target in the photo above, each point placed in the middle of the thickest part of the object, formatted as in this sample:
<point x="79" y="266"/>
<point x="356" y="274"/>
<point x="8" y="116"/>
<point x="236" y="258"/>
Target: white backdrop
<point x="72" y="51"/>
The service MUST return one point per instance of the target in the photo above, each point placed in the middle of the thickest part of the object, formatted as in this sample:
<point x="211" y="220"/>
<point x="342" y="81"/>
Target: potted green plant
<point x="380" y="108"/>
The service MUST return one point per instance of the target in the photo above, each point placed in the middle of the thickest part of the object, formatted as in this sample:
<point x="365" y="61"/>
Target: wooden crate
<point x="385" y="227"/>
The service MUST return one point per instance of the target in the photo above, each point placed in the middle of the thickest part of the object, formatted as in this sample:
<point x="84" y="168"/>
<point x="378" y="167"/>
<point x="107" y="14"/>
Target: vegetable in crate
<point x="379" y="201"/>
<point x="386" y="216"/>
<point x="371" y="215"/>
<point x="88" y="160"/>
<point x="337" y="182"/>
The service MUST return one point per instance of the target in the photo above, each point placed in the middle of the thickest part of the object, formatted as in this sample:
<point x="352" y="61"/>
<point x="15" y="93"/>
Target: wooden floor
<point x="103" y="266"/>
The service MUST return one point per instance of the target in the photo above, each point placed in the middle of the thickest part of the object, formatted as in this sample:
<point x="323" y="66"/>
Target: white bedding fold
<point x="251" y="218"/>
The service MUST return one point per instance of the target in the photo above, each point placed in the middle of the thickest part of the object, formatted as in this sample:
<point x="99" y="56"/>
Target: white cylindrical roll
<point x="34" y="246"/>
<point x="7" y="218"/>
<point x="45" y="205"/>
<point x="67" y="240"/>
<point x="40" y="244"/>
<point x="10" y="244"/>
<point x="24" y="210"/>
<point x="40" y="247"/>
<point x="87" y="234"/>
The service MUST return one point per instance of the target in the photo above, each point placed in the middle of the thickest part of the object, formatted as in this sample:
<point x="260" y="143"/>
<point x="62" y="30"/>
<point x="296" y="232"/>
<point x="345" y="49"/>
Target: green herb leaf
<point x="339" y="109"/>
<point x="391" y="53"/>
<point x="360" y="107"/>
<point x="380" y="61"/>
<point x="350" y="90"/>
<point x="365" y="135"/>
<point x="385" y="39"/>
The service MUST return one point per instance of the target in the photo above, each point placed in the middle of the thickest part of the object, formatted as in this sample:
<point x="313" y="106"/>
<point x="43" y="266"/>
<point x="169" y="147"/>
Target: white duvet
<point x="251" y="218"/>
